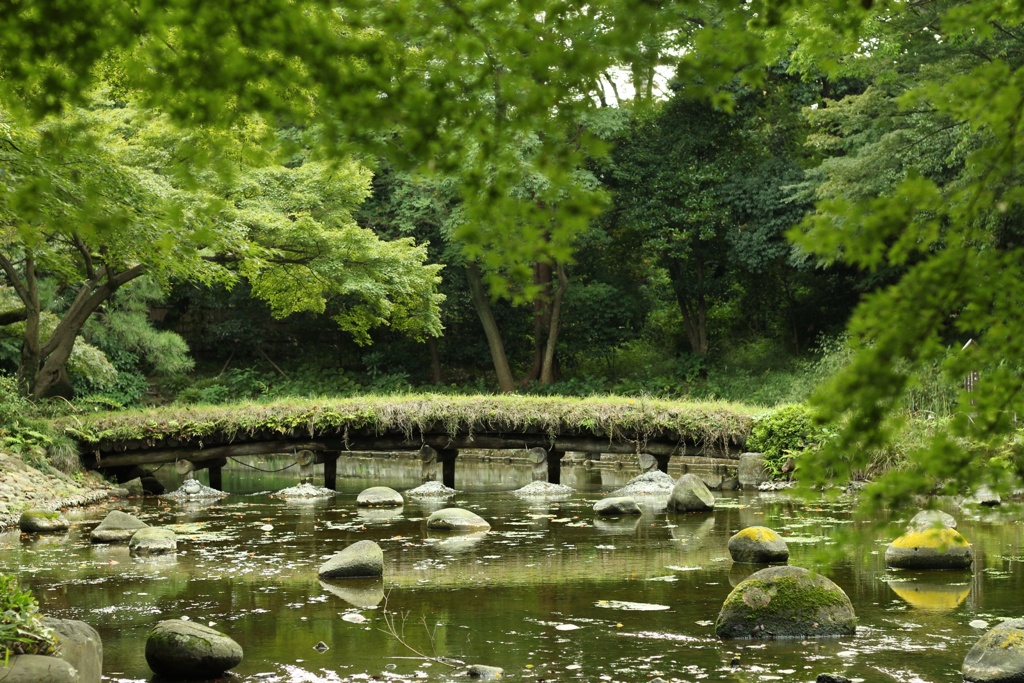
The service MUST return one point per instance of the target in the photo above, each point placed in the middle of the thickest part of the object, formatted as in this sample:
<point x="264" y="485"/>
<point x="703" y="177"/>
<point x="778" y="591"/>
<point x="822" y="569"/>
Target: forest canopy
<point x="198" y="140"/>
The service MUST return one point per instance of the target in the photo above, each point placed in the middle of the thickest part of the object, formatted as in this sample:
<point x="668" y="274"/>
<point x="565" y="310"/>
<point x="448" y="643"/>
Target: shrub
<point x="784" y="433"/>
<point x="21" y="628"/>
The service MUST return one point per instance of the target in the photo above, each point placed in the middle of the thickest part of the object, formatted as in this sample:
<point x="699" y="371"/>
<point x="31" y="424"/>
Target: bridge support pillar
<point x="447" y="457"/>
<point x="330" y="461"/>
<point x="652" y="463"/>
<point x="547" y="465"/>
<point x="216" y="480"/>
<point x="438" y="464"/>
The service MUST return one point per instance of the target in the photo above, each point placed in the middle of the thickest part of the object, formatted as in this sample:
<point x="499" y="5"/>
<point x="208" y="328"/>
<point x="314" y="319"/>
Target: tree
<point x="92" y="201"/>
<point x="922" y="184"/>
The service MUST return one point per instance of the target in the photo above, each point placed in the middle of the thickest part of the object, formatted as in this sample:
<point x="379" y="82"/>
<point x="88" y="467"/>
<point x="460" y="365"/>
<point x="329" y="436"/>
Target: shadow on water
<point x="549" y="593"/>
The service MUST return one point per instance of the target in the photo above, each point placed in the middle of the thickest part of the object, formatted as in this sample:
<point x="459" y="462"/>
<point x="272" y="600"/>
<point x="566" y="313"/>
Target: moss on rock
<point x="786" y="602"/>
<point x="933" y="548"/>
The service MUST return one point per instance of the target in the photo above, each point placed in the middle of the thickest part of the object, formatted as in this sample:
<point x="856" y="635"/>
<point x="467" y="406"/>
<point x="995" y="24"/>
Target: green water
<point x="549" y="594"/>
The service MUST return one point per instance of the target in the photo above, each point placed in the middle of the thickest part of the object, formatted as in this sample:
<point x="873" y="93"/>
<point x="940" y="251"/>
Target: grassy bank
<point x="711" y="424"/>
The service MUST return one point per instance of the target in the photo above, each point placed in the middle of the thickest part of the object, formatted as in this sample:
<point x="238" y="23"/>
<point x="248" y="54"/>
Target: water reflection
<point x="508" y="596"/>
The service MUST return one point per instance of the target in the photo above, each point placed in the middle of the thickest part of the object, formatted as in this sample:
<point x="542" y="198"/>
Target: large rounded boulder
<point x="182" y="649"/>
<point x="998" y="656"/>
<point x="38" y="521"/>
<point x="690" y="494"/>
<point x="153" y="540"/>
<point x="37" y="669"/>
<point x="361" y="560"/>
<point x="786" y="602"/>
<point x="456" y="519"/>
<point x="618" y="506"/>
<point x="932" y="548"/>
<point x="379" y="497"/>
<point x="116" y="527"/>
<point x="758" y="545"/>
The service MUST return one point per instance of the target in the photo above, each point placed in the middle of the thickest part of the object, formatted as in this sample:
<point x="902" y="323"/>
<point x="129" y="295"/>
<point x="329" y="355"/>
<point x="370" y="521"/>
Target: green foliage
<point x="21" y="628"/>
<point x="783" y="435"/>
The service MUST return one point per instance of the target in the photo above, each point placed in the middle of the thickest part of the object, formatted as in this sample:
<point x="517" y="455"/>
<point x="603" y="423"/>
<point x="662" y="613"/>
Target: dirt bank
<point x="23" y="486"/>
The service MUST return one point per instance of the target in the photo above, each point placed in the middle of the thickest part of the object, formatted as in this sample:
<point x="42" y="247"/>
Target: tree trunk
<point x="693" y="307"/>
<point x="541" y="320"/>
<point x="31" y="351"/>
<point x="548" y="373"/>
<point x="435" y="361"/>
<point x="483" y="309"/>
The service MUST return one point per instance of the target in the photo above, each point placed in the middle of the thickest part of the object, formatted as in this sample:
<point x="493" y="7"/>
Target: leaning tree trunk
<point x="483" y="310"/>
<point x="548" y="373"/>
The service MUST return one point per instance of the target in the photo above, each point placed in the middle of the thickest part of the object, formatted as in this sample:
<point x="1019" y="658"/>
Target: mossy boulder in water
<point x="617" y="506"/>
<point x="758" y="545"/>
<point x="37" y="521"/>
<point x="153" y="541"/>
<point x="932" y="548"/>
<point x="181" y="649"/>
<point x="690" y="494"/>
<point x="456" y="519"/>
<point x="379" y="497"/>
<point x="361" y="560"/>
<point x="998" y="656"/>
<point x="116" y="527"/>
<point x="786" y="602"/>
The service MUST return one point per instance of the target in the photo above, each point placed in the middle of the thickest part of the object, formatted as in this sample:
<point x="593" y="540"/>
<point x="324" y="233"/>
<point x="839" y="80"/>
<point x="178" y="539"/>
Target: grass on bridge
<point x="709" y="424"/>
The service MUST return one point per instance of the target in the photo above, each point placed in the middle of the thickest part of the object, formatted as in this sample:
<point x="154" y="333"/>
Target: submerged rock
<point x="617" y="506"/>
<point x="484" y="673"/>
<point x="431" y="489"/>
<point x="39" y="521"/>
<point x="933" y="548"/>
<point x="362" y="559"/>
<point x="153" y="541"/>
<point x="305" y="491"/>
<point x="690" y="494"/>
<point x="116" y="527"/>
<point x="758" y="545"/>
<point x="192" y="489"/>
<point x="379" y="496"/>
<point x="182" y="649"/>
<point x="786" y="602"/>
<point x="544" y="489"/>
<point x="654" y="483"/>
<point x="456" y="519"/>
<point x="998" y="656"/>
<point x="931" y="519"/>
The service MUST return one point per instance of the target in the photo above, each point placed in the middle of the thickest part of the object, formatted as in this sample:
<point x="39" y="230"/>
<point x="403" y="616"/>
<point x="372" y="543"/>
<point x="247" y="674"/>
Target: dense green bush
<point x="21" y="628"/>
<point x="782" y="434"/>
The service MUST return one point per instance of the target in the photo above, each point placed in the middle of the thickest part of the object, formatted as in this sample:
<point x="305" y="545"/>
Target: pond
<point x="549" y="594"/>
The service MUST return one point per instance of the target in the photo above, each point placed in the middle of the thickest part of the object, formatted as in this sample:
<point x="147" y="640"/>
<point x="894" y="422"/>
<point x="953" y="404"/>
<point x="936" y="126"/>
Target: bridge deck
<point x="437" y="426"/>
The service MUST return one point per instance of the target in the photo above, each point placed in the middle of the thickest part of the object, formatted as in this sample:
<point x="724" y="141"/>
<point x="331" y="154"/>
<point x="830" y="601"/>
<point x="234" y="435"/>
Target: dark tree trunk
<point x="483" y="310"/>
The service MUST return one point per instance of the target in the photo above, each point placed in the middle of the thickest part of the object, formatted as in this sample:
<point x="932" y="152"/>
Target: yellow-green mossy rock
<point x="786" y="602"/>
<point x="932" y="548"/>
<point x="998" y="656"/>
<point x="758" y="545"/>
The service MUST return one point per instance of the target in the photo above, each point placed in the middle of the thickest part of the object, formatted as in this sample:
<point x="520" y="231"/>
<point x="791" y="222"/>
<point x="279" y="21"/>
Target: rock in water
<point x="456" y="519"/>
<point x="931" y="519"/>
<point x="431" y="489"/>
<point x="998" y="656"/>
<point x="39" y="521"/>
<point x="80" y="646"/>
<point x="786" y="602"/>
<point x="933" y="548"/>
<point x="618" y="506"/>
<point x="484" y="672"/>
<point x="362" y="559"/>
<point x="116" y="527"/>
<point x="379" y="497"/>
<point x="544" y="489"/>
<point x="183" y="649"/>
<point x="153" y="541"/>
<point x="758" y="545"/>
<point x="690" y="494"/>
<point x="655" y="483"/>
<point x="37" y="669"/>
